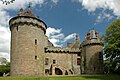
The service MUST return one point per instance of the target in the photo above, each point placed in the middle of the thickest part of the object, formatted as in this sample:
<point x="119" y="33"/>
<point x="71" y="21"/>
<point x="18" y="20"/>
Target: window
<point x="78" y="61"/>
<point x="17" y="28"/>
<point x="78" y="54"/>
<point x="100" y="56"/>
<point x="35" y="57"/>
<point x="35" y="41"/>
<point x="46" y="71"/>
<point x="46" y="61"/>
<point x="54" y="61"/>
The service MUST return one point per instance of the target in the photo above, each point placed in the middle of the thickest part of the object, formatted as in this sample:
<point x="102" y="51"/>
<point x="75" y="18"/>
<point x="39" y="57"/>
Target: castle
<point x="33" y="54"/>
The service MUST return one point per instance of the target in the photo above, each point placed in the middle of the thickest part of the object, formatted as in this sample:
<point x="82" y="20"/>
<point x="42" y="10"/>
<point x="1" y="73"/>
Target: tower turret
<point x="92" y="58"/>
<point x="27" y="44"/>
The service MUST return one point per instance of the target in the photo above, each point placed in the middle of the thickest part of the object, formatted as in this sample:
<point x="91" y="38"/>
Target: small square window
<point x="46" y="71"/>
<point x="35" y="57"/>
<point x="78" y="54"/>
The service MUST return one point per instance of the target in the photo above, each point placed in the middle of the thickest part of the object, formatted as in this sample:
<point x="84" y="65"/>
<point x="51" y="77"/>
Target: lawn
<point x="83" y="77"/>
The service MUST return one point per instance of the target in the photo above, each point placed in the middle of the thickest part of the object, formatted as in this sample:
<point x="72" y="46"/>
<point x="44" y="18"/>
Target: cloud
<point x="57" y="37"/>
<point x="71" y="36"/>
<point x="54" y="35"/>
<point x="19" y="3"/>
<point x="52" y="31"/>
<point x="108" y="9"/>
<point x="4" y="42"/>
<point x="93" y="5"/>
<point x="102" y="17"/>
<point x="55" y="1"/>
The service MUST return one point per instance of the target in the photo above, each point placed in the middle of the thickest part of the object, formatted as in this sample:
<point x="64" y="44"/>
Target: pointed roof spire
<point x="29" y="12"/>
<point x="29" y="5"/>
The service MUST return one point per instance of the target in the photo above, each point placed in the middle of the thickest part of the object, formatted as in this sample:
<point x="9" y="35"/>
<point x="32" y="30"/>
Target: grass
<point x="83" y="77"/>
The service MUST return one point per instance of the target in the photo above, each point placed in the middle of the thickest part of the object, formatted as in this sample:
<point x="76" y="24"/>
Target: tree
<point x="112" y="46"/>
<point x="3" y="61"/>
<point x="7" y="1"/>
<point x="4" y="66"/>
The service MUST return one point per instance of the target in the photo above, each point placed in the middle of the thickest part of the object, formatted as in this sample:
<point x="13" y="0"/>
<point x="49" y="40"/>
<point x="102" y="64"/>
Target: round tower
<point x="27" y="44"/>
<point x="92" y="58"/>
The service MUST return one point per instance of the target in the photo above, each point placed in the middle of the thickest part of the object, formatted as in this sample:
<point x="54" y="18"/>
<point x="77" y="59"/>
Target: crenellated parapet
<point x="62" y="50"/>
<point x="92" y="39"/>
<point x="91" y="42"/>
<point x="27" y="20"/>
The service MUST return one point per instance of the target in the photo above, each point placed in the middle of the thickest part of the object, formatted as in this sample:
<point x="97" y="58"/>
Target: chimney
<point x="77" y="37"/>
<point x="69" y="44"/>
<point x="21" y="12"/>
<point x="96" y="33"/>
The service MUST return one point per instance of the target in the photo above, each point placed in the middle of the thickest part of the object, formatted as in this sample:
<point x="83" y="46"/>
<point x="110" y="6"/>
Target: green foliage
<point x="3" y="61"/>
<point x="112" y="46"/>
<point x="4" y="66"/>
<point x="4" y="69"/>
<point x="81" y="77"/>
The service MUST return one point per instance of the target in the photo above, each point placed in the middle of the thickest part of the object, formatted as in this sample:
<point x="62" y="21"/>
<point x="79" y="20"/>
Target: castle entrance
<point x="58" y="71"/>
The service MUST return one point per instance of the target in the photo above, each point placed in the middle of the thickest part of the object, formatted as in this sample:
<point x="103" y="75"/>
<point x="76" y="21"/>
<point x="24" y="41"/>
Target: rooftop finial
<point x="29" y="5"/>
<point x="77" y="37"/>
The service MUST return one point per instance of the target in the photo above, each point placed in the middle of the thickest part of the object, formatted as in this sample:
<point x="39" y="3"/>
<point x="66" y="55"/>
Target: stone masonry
<point x="32" y="54"/>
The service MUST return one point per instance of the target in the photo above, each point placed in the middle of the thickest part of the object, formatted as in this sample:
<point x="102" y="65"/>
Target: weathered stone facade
<point x="33" y="54"/>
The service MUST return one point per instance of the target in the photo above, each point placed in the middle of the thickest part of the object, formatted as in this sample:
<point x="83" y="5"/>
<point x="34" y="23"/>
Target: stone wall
<point x="93" y="59"/>
<point x="64" y="61"/>
<point x="27" y="48"/>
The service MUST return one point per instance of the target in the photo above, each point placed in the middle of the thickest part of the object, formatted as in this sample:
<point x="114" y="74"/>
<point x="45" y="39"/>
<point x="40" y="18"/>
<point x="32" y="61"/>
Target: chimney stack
<point x="69" y="44"/>
<point x="77" y="37"/>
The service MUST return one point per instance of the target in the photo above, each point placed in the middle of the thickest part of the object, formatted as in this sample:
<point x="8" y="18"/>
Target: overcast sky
<point x="64" y="18"/>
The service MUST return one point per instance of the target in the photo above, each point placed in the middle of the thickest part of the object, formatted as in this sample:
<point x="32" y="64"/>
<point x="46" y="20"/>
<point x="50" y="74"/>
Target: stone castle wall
<point x="92" y="59"/>
<point x="27" y="47"/>
<point x="65" y="60"/>
<point x="30" y="47"/>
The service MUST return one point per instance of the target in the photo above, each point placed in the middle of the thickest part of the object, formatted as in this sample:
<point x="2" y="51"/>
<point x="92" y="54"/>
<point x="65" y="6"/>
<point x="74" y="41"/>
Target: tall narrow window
<point x="17" y="28"/>
<point x="100" y="56"/>
<point x="46" y="61"/>
<point x="35" y="41"/>
<point x="78" y="61"/>
<point x="54" y="61"/>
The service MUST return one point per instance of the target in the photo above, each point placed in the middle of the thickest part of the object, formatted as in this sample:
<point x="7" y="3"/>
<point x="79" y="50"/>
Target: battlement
<point x="27" y="20"/>
<point x="91" y="42"/>
<point x="62" y="50"/>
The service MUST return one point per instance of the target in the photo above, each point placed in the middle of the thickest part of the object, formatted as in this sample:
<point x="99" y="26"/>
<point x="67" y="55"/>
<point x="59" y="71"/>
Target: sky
<point x="64" y="19"/>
